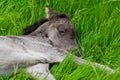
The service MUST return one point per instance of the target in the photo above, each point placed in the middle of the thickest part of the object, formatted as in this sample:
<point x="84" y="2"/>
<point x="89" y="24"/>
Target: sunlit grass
<point x="97" y="23"/>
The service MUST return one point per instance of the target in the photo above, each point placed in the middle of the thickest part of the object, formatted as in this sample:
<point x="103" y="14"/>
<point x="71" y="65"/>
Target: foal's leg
<point x="79" y="60"/>
<point x="42" y="71"/>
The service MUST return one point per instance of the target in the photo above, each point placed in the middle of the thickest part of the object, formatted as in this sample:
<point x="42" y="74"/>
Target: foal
<point x="45" y="42"/>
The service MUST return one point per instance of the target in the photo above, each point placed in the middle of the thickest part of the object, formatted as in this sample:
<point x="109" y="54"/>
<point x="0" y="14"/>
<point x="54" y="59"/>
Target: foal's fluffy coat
<point x="45" y="42"/>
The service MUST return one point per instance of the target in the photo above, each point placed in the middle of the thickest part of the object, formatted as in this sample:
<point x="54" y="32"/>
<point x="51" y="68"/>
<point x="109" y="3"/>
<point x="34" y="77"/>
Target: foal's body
<point x="18" y="51"/>
<point x="43" y="43"/>
<point x="31" y="49"/>
<point x="40" y="46"/>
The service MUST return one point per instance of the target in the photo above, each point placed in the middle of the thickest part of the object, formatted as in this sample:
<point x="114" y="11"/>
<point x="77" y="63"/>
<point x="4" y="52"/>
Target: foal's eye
<point x="61" y="29"/>
<point x="62" y="32"/>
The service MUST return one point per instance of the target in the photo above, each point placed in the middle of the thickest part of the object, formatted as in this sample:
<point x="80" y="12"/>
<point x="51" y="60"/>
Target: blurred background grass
<point x="98" y="32"/>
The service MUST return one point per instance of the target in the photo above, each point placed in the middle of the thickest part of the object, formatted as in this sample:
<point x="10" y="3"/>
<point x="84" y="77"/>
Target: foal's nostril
<point x="71" y="37"/>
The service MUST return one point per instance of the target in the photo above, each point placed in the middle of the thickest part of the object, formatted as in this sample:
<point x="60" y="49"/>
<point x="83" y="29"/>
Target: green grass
<point x="98" y="33"/>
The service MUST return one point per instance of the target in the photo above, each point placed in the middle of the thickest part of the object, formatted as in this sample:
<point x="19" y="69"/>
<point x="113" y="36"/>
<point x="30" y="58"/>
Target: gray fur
<point x="47" y="44"/>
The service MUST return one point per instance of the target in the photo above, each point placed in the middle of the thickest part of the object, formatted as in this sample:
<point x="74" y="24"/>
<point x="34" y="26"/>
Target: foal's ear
<point x="50" y="13"/>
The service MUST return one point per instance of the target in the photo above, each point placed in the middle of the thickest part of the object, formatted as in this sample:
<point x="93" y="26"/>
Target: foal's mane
<point x="33" y="27"/>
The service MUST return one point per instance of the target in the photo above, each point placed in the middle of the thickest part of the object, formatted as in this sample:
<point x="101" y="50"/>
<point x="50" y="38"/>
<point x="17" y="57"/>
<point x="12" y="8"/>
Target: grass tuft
<point x="98" y="33"/>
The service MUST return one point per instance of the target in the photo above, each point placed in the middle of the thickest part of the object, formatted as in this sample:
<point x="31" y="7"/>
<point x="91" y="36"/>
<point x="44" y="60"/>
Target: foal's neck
<point x="41" y="39"/>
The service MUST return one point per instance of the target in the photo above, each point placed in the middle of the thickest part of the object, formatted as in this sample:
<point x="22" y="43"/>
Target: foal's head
<point x="56" y="27"/>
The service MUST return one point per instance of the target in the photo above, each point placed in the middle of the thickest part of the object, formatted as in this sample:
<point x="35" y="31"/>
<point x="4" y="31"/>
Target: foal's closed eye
<point x="61" y="29"/>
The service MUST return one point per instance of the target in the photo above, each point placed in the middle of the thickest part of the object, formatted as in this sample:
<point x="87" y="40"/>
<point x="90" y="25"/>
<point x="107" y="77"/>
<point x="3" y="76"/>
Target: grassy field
<point x="98" y="33"/>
